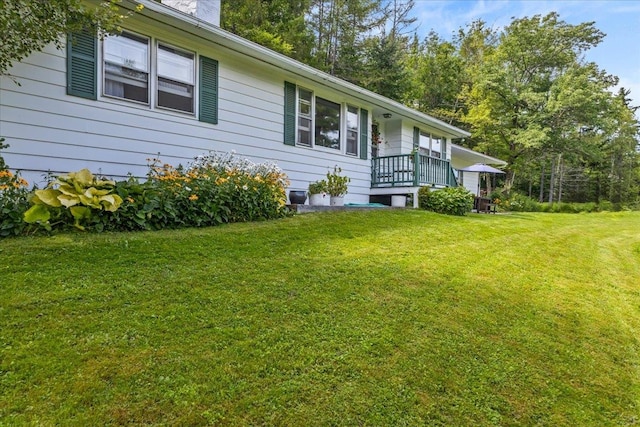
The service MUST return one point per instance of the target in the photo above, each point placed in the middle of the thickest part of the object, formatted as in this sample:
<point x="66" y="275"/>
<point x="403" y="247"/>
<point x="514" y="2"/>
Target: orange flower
<point x="193" y="197"/>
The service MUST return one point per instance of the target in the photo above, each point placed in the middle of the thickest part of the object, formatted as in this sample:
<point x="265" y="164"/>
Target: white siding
<point x="470" y="182"/>
<point x="50" y="131"/>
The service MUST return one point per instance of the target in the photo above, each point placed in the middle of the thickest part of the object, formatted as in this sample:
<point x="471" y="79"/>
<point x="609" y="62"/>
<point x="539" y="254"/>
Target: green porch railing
<point x="453" y="181"/>
<point x="407" y="170"/>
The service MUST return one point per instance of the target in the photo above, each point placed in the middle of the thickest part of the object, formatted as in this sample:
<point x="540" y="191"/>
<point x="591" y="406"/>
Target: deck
<point x="411" y="170"/>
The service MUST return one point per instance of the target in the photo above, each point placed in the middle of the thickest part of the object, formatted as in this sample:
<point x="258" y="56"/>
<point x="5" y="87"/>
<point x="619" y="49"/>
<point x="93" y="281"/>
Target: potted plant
<point x="337" y="186"/>
<point x="317" y="191"/>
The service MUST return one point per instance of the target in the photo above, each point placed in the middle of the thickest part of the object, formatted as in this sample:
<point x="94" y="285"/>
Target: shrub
<point x="520" y="203"/>
<point x="450" y="200"/>
<point x="214" y="189"/>
<point x="13" y="199"/>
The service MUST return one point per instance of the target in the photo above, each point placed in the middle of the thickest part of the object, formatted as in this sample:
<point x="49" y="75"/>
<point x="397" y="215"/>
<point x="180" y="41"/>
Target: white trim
<point x="483" y="157"/>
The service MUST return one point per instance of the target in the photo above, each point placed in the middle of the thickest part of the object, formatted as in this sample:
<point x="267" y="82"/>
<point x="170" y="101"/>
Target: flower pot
<point x="398" y="201"/>
<point x="316" y="199"/>
<point x="336" y="201"/>
<point x="297" y="197"/>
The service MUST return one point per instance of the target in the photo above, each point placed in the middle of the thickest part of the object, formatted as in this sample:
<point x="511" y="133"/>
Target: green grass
<point x="352" y="318"/>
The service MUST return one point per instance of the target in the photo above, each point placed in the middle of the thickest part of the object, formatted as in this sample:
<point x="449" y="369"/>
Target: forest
<point x="525" y="92"/>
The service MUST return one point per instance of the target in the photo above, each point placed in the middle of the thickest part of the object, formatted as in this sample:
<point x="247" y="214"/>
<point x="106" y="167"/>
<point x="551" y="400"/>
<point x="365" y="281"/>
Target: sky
<point x="618" y="53"/>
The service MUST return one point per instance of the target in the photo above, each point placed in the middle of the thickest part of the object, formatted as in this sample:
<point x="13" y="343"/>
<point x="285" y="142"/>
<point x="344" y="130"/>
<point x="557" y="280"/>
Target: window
<point x="436" y="147"/>
<point x="126" y="67"/>
<point x="425" y="143"/>
<point x="312" y="121"/>
<point x="327" y="124"/>
<point x="352" y="130"/>
<point x="431" y="145"/>
<point x="176" y="76"/>
<point x="304" y="117"/>
<point x="128" y="72"/>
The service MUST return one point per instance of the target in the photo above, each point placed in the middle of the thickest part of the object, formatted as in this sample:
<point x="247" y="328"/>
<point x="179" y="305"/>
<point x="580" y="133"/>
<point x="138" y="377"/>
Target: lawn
<point x="353" y="318"/>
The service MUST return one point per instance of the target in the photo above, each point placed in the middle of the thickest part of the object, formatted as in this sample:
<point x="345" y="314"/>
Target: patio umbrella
<point x="481" y="167"/>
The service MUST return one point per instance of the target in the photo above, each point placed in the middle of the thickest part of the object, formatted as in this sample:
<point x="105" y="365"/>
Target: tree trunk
<point x="561" y="176"/>
<point x="541" y="198"/>
<point x="552" y="179"/>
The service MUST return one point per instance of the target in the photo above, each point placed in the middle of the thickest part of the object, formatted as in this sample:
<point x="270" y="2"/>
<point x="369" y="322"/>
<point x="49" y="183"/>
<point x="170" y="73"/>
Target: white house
<point x="175" y="85"/>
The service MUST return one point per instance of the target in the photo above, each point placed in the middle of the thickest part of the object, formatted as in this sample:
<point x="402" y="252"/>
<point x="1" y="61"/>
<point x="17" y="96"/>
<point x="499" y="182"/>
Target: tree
<point x="438" y="75"/>
<point x="276" y="24"/>
<point x="340" y="28"/>
<point x="29" y="25"/>
<point x="386" y="71"/>
<point x="525" y="95"/>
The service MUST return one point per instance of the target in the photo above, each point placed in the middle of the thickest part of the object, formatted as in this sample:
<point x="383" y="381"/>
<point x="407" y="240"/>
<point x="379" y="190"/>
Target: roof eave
<point x="236" y="43"/>
<point x="483" y="158"/>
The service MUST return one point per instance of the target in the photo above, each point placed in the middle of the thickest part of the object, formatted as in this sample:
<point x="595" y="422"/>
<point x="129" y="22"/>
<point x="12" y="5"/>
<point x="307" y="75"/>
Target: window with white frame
<point x="436" y="147"/>
<point x="352" y="130"/>
<point x="430" y="145"/>
<point x="323" y="123"/>
<point x="176" y="77"/>
<point x="126" y="67"/>
<point x="327" y="124"/>
<point x="305" y="115"/>
<point x="425" y="143"/>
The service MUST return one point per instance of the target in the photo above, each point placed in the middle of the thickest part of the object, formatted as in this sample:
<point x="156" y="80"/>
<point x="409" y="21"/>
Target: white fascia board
<point x="190" y="24"/>
<point x="478" y="157"/>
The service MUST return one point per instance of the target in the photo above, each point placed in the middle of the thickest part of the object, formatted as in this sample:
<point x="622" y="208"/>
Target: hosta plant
<point x="81" y="193"/>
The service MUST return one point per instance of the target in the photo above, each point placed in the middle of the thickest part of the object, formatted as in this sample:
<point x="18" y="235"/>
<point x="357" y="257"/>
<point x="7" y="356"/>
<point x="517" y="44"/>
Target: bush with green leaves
<point x="214" y="189"/>
<point x="519" y="203"/>
<point x="13" y="199"/>
<point x="220" y="188"/>
<point x="79" y="194"/>
<point x="450" y="200"/>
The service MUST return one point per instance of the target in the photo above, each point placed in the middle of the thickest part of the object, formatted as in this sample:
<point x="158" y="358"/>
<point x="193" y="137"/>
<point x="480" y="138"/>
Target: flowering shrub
<point x="219" y="188"/>
<point x="450" y="200"/>
<point x="214" y="189"/>
<point x="13" y="199"/>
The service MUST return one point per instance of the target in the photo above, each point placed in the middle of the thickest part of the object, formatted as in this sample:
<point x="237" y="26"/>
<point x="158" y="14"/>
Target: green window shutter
<point x="208" y="105"/>
<point x="444" y="148"/>
<point x="416" y="137"/>
<point x="364" y="133"/>
<point x="289" y="113"/>
<point x="82" y="65"/>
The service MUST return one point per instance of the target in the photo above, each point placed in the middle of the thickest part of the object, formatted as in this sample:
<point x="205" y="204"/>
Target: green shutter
<point x="82" y="65"/>
<point x="208" y="105"/>
<point x="289" y="113"/>
<point x="444" y="148"/>
<point x="416" y="138"/>
<point x="364" y="133"/>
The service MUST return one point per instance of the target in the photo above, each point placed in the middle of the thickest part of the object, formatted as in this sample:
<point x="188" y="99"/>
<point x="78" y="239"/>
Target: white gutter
<point x="238" y="44"/>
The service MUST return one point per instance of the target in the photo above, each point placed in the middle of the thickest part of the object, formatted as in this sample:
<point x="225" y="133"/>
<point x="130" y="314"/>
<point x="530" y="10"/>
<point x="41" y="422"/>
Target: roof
<point x="466" y="157"/>
<point x="190" y="24"/>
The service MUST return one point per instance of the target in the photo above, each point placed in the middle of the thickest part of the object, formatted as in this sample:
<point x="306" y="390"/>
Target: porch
<point x="411" y="170"/>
